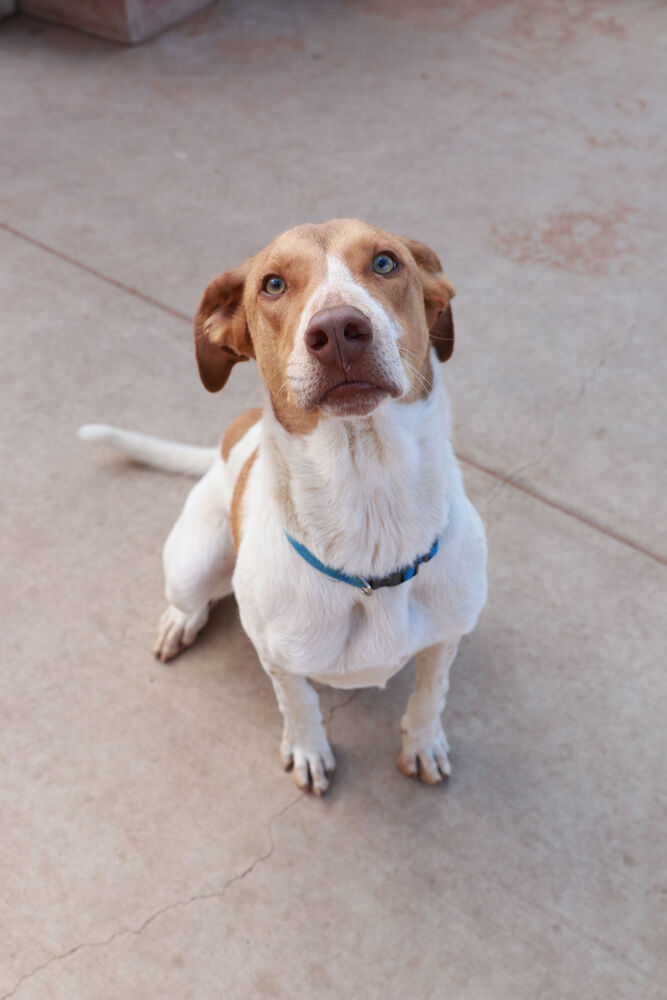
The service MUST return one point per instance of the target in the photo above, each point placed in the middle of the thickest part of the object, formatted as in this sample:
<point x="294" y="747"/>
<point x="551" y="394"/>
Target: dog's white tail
<point x="167" y="455"/>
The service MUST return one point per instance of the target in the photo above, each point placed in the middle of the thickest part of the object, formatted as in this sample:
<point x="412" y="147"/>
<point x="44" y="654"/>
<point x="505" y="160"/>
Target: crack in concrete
<point x="510" y="478"/>
<point x="177" y="904"/>
<point x="335" y="709"/>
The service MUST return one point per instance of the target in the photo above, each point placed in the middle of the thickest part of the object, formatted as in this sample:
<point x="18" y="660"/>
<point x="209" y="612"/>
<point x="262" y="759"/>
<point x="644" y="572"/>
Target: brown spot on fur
<point x="236" y="512"/>
<point x="238" y="428"/>
<point x="580" y="242"/>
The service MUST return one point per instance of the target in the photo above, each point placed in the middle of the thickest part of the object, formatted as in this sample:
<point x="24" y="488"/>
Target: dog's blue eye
<point x="274" y="285"/>
<point x="384" y="263"/>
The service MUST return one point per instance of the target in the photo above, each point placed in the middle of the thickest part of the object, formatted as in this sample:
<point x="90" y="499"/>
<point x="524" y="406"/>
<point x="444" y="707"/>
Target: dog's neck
<point x="366" y="495"/>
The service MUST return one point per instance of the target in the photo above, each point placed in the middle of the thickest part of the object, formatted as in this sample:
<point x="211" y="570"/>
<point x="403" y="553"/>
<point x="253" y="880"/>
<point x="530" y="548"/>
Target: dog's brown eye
<point x="273" y="285"/>
<point x="384" y="263"/>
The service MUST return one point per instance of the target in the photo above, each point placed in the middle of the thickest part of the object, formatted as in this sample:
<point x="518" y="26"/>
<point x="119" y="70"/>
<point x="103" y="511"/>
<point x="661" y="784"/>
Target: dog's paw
<point x="425" y="758"/>
<point x="312" y="765"/>
<point x="176" y="630"/>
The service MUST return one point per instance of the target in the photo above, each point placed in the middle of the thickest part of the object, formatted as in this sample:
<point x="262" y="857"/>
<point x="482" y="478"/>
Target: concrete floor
<point x="150" y="845"/>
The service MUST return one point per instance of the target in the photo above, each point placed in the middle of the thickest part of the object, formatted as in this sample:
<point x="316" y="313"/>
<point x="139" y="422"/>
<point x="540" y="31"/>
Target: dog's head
<point x="339" y="316"/>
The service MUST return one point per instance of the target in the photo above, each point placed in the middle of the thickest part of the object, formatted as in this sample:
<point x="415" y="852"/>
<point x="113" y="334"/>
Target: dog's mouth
<point x="355" y="397"/>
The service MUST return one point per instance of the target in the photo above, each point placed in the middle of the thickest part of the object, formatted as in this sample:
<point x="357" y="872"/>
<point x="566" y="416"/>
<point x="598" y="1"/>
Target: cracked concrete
<point x="513" y="477"/>
<point x="150" y="842"/>
<point x="218" y="894"/>
<point x="569" y="406"/>
<point x="177" y="904"/>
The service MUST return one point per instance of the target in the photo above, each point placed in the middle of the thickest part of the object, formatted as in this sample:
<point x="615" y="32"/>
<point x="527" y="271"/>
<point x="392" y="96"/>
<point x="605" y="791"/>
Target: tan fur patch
<point x="299" y="257"/>
<point x="236" y="512"/>
<point x="238" y="428"/>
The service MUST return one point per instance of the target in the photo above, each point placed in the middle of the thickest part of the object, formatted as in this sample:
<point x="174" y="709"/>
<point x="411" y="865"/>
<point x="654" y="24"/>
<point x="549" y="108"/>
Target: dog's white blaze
<point x="340" y="288"/>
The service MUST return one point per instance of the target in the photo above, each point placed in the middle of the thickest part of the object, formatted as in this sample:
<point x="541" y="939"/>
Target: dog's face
<point x="339" y="316"/>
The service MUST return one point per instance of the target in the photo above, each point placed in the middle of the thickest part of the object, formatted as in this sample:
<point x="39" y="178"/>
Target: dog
<point x="336" y="513"/>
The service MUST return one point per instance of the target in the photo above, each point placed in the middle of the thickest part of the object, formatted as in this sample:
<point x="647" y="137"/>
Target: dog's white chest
<point x="375" y="513"/>
<point x="326" y="630"/>
<point x="383" y="632"/>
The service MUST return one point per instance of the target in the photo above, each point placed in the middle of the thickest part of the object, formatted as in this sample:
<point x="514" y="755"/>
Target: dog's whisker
<point x="421" y="379"/>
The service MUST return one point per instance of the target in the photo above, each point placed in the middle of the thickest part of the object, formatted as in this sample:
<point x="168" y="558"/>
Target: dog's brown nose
<point x="338" y="335"/>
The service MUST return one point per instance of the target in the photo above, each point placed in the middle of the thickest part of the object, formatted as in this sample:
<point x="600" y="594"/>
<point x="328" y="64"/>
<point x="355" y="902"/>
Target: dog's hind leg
<point x="198" y="559"/>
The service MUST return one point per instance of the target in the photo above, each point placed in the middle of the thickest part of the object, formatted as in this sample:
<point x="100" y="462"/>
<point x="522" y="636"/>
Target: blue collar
<point x="366" y="584"/>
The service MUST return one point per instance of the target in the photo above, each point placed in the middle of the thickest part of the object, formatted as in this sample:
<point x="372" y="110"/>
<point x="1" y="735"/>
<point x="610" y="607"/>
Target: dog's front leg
<point x="304" y="746"/>
<point x="425" y="748"/>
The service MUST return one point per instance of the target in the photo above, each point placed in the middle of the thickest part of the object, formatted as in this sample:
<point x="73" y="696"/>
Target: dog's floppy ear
<point x="221" y="332"/>
<point x="438" y="293"/>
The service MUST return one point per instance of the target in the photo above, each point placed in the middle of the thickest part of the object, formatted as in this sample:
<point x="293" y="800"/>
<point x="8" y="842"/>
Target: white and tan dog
<point x="337" y="513"/>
